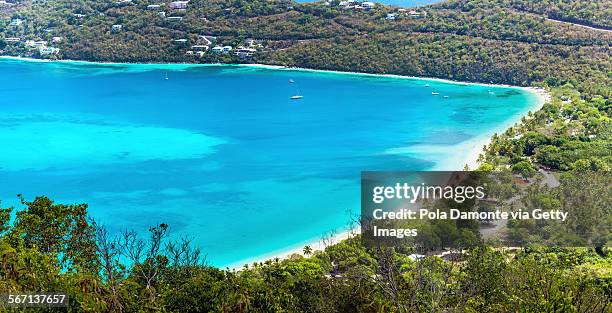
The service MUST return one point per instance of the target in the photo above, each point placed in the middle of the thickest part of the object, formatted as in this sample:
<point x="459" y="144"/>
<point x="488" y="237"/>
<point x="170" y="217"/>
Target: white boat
<point x="426" y="85"/>
<point x="296" y="97"/>
<point x="291" y="81"/>
<point x="445" y="97"/>
<point x="435" y="93"/>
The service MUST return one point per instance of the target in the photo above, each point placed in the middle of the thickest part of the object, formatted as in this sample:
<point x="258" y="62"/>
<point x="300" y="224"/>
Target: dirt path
<point x="579" y="25"/>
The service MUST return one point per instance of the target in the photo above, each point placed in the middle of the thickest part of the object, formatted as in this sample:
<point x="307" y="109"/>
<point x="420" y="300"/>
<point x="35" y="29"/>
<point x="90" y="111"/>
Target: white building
<point x="174" y="18"/>
<point x="16" y="22"/>
<point x="250" y="42"/>
<point x="347" y="3"/>
<point x="117" y="27"/>
<point x="48" y="50"/>
<point x="227" y="49"/>
<point x="391" y="17"/>
<point x="414" y="13"/>
<point x="200" y="47"/>
<point x="244" y="52"/>
<point x="56" y="39"/>
<point x="153" y="7"/>
<point x="368" y="5"/>
<point x="37" y="44"/>
<point x="217" y="49"/>
<point x="12" y="39"/>
<point x="178" y="5"/>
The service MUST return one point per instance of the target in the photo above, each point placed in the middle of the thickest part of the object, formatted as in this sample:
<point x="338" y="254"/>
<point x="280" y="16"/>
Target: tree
<point x="5" y="217"/>
<point x="146" y="257"/>
<point x="307" y="250"/>
<point x="58" y="229"/>
<point x="524" y="168"/>
<point x="549" y="156"/>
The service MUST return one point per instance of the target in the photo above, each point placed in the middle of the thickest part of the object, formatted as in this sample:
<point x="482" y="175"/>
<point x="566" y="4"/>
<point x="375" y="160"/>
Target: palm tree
<point x="307" y="250"/>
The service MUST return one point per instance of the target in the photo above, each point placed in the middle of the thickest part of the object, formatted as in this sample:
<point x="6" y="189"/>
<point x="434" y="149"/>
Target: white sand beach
<point x="475" y="147"/>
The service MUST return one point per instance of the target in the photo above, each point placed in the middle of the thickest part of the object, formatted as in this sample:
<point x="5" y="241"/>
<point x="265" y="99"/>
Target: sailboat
<point x="297" y="96"/>
<point x="435" y="93"/>
<point x="166" y="78"/>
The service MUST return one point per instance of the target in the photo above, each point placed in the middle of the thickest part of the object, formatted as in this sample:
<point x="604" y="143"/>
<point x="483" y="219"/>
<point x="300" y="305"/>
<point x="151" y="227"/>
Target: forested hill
<point x="590" y="13"/>
<point x="498" y="41"/>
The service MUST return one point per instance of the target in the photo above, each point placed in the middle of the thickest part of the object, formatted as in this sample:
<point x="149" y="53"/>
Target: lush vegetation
<point x="54" y="247"/>
<point x="595" y="13"/>
<point x="573" y="131"/>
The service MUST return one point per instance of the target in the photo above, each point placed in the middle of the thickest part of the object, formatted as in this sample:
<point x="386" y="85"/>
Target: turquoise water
<point x="220" y="152"/>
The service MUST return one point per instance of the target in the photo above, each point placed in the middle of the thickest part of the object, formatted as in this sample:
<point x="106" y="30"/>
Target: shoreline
<point x="476" y="146"/>
<point x="472" y="149"/>
<point x="263" y="66"/>
<point x="284" y="254"/>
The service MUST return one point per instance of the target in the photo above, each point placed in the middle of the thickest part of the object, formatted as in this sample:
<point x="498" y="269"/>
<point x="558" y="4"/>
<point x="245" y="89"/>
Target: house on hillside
<point x="15" y="22"/>
<point x="12" y="39"/>
<point x="48" y="50"/>
<point x="250" y="42"/>
<point x="391" y="17"/>
<point x="416" y="14"/>
<point x="153" y="7"/>
<point x="347" y="3"/>
<point x="36" y="44"/>
<point x="122" y="3"/>
<point x="199" y="47"/>
<point x="217" y="49"/>
<point x="244" y="52"/>
<point x="117" y="27"/>
<point x="174" y="18"/>
<point x="178" y="5"/>
<point x="368" y="5"/>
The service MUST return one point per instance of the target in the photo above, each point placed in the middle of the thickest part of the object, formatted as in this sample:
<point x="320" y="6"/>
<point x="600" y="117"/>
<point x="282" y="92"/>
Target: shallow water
<point x="220" y="152"/>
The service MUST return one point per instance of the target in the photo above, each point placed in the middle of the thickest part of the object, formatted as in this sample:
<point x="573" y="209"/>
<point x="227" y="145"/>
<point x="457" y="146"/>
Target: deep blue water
<point x="220" y="152"/>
